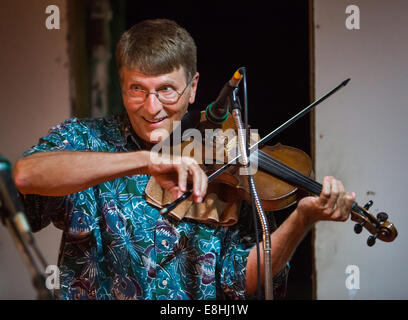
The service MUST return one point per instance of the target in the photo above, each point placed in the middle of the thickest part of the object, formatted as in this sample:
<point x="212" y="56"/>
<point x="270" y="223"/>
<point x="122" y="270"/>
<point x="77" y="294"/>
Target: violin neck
<point x="382" y="229"/>
<point x="276" y="168"/>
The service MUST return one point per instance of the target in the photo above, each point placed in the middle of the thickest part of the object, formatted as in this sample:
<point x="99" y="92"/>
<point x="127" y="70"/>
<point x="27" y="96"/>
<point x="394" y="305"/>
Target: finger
<point x="195" y="171"/>
<point x="349" y="199"/>
<point x="344" y="205"/>
<point x="338" y="213"/>
<point x="204" y="183"/>
<point x="334" y="194"/>
<point x="182" y="177"/>
<point x="329" y="194"/>
<point x="325" y="194"/>
<point x="341" y="203"/>
<point x="175" y="192"/>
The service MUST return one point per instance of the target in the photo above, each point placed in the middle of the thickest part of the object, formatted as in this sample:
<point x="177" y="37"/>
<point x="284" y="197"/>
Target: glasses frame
<point x="147" y="93"/>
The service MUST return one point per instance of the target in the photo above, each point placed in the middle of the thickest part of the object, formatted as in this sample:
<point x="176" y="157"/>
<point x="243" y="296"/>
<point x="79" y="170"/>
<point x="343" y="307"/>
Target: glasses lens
<point x="138" y="96"/>
<point x="168" y="96"/>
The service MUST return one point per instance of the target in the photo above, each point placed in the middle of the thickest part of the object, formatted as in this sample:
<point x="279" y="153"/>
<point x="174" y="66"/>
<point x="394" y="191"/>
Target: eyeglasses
<point x="166" y="95"/>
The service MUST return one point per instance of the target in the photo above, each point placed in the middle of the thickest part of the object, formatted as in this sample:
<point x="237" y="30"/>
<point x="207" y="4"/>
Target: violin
<point x="284" y="176"/>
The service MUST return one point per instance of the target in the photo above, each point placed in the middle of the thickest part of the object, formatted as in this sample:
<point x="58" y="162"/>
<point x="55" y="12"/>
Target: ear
<point x="193" y="90"/>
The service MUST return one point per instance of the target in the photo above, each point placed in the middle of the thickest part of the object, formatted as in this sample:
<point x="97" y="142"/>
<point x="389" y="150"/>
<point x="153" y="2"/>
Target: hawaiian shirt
<point x="117" y="246"/>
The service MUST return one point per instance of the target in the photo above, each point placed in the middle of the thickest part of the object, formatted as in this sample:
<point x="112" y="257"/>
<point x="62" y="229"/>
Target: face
<point x="152" y="115"/>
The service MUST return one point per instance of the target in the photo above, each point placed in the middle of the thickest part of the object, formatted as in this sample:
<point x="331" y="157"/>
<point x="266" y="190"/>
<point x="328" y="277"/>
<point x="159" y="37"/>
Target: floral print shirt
<point x="117" y="246"/>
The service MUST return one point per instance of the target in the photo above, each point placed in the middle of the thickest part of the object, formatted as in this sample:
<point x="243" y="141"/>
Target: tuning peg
<point x="371" y="240"/>
<point x="358" y="227"/>
<point x="368" y="205"/>
<point x="382" y="216"/>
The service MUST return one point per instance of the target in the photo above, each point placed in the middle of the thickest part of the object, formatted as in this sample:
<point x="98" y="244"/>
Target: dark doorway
<point x="269" y="38"/>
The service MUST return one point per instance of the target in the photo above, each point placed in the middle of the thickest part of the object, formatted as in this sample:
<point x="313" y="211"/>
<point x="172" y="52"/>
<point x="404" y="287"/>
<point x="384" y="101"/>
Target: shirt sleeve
<point x="232" y="270"/>
<point x="41" y="210"/>
<point x="231" y="267"/>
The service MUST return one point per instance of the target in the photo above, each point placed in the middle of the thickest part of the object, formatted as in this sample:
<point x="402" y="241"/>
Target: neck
<point x="146" y="145"/>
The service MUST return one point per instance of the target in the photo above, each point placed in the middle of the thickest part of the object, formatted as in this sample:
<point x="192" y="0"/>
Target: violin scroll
<point x="379" y="226"/>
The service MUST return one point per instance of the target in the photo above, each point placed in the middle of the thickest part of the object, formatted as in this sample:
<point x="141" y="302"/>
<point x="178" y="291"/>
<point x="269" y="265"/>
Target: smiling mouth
<point x="155" y="120"/>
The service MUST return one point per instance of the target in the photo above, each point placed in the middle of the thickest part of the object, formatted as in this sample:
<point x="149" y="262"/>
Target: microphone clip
<point x="234" y="98"/>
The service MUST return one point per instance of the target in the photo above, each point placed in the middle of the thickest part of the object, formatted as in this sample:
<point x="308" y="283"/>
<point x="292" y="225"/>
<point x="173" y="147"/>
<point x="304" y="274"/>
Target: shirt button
<point x="164" y="282"/>
<point x="164" y="242"/>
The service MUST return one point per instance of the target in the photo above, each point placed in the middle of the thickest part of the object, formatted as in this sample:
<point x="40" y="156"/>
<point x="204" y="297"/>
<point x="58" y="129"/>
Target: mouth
<point x="155" y="121"/>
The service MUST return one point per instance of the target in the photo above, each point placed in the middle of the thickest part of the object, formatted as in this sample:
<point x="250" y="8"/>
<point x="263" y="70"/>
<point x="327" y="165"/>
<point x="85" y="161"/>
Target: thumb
<point x="176" y="192"/>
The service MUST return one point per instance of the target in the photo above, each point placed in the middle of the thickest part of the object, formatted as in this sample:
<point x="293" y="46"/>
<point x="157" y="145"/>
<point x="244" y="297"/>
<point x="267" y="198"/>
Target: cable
<point x="253" y="204"/>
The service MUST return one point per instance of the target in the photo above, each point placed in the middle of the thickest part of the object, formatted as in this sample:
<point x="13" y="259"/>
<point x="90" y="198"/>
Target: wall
<point x="360" y="134"/>
<point x="360" y="131"/>
<point x="34" y="84"/>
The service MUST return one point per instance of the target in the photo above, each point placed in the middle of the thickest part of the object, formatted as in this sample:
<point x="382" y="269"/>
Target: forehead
<point x="134" y="75"/>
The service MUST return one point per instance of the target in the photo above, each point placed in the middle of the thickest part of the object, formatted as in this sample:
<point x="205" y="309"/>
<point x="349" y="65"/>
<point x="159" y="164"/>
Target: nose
<point x="152" y="105"/>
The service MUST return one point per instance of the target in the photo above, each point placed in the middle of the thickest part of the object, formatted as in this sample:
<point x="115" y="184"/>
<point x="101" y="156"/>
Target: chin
<point x="156" y="135"/>
<point x="154" y="132"/>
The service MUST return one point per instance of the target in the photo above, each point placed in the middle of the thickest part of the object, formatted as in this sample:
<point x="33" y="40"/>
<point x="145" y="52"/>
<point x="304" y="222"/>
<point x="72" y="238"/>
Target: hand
<point x="333" y="204"/>
<point x="172" y="173"/>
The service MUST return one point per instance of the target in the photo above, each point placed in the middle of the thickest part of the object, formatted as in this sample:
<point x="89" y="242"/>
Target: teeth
<point x="155" y="121"/>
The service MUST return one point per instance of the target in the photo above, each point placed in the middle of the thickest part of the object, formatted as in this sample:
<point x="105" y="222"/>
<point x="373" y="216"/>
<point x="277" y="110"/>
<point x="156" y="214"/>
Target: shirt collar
<point x="127" y="131"/>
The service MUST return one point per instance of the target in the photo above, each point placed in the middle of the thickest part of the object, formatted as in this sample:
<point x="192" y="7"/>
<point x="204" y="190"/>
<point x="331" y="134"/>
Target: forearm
<point x="65" y="172"/>
<point x="283" y="242"/>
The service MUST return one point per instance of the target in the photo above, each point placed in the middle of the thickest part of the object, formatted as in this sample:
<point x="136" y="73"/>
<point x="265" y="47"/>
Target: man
<point x="88" y="177"/>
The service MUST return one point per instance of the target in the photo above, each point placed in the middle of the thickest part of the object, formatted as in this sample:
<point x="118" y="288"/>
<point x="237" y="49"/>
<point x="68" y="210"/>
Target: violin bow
<point x="171" y="206"/>
<point x="378" y="226"/>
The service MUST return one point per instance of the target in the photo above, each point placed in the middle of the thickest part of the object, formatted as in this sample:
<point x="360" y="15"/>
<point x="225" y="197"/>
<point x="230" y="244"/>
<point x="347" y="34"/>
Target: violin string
<point x="303" y="181"/>
<point x="298" y="178"/>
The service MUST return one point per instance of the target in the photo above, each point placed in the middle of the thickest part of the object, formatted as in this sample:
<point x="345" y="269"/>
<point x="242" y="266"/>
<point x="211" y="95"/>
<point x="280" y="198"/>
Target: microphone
<point x="12" y="215"/>
<point x="10" y="204"/>
<point x="217" y="112"/>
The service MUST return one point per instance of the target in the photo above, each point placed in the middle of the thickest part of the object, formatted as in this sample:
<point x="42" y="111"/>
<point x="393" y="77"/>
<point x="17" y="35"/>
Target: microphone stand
<point x="37" y="278"/>
<point x="171" y="206"/>
<point x="244" y="153"/>
<point x="242" y="145"/>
